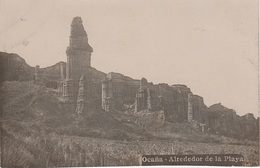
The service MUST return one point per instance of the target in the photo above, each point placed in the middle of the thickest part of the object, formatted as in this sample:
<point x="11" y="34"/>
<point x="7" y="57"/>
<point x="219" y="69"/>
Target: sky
<point x="210" y="46"/>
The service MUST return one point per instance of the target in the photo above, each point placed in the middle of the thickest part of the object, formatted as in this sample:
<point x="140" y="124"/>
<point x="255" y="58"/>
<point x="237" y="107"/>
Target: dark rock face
<point x="222" y="120"/>
<point x="86" y="98"/>
<point x="172" y="99"/>
<point x="78" y="89"/>
<point x="78" y="52"/>
<point x="198" y="107"/>
<point x="50" y="76"/>
<point x="180" y="105"/>
<point x="117" y="91"/>
<point x="13" y="67"/>
<point x="78" y="37"/>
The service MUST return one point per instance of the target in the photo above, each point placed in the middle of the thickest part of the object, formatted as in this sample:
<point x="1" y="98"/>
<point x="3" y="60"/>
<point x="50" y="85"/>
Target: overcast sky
<point x="209" y="45"/>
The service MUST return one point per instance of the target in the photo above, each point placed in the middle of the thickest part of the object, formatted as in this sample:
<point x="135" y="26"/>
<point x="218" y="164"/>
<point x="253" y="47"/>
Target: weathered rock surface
<point x="13" y="67"/>
<point x="83" y="89"/>
<point x="222" y="120"/>
<point x="118" y="90"/>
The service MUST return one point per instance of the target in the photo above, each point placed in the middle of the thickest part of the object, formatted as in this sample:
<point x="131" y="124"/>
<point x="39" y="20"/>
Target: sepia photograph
<point x="88" y="83"/>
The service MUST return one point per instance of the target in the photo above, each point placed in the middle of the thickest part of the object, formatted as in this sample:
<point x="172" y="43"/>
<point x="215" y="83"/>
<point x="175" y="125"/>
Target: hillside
<point x="37" y="132"/>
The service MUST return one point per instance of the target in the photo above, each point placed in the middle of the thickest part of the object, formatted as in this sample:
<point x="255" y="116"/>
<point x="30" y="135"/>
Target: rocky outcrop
<point x="225" y="121"/>
<point x="117" y="91"/>
<point x="84" y="90"/>
<point x="14" y="68"/>
<point x="50" y="76"/>
<point x="172" y="99"/>
<point x="78" y="52"/>
<point x="198" y="108"/>
<point x="78" y="63"/>
<point x="81" y="90"/>
<point x="180" y="105"/>
<point x="190" y="107"/>
<point x="86" y="101"/>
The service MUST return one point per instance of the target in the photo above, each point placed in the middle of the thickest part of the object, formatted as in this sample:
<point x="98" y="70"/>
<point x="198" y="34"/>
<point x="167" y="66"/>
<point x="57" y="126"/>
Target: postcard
<point x="91" y="83"/>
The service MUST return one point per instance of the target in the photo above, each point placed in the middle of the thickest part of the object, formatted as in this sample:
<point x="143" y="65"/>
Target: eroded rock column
<point x="190" y="112"/>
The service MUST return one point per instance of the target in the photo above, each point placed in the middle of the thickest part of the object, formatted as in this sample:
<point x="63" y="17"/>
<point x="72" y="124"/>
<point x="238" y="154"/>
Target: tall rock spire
<point x="78" y="36"/>
<point x="78" y="62"/>
<point x="78" y="52"/>
<point x="80" y="100"/>
<point x="86" y="104"/>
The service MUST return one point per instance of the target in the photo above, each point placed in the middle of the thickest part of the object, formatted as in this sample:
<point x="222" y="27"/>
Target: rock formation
<point x="118" y="91"/>
<point x="172" y="99"/>
<point x="180" y="105"/>
<point x="225" y="121"/>
<point x="13" y="67"/>
<point x="86" y="100"/>
<point x="78" y="65"/>
<point x="84" y="90"/>
<point x="190" y="111"/>
<point x="78" y="52"/>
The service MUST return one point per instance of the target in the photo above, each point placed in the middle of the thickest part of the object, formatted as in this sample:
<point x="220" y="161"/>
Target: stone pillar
<point x="190" y="112"/>
<point x="68" y="96"/>
<point x="68" y="67"/>
<point x="78" y="52"/>
<point x="80" y="100"/>
<point x="69" y="91"/>
<point x="107" y="95"/>
<point x="36" y="74"/>
<point x="78" y="56"/>
<point x="60" y="91"/>
<point x="137" y="105"/>
<point x="86" y="99"/>
<point x="62" y="73"/>
<point x="149" y="99"/>
<point x="141" y="100"/>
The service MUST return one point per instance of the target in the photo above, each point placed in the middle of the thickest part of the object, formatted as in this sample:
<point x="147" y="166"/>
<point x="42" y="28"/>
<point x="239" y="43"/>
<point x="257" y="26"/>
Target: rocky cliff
<point x="82" y="89"/>
<point x="13" y="67"/>
<point x="173" y="100"/>
<point x="222" y="120"/>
